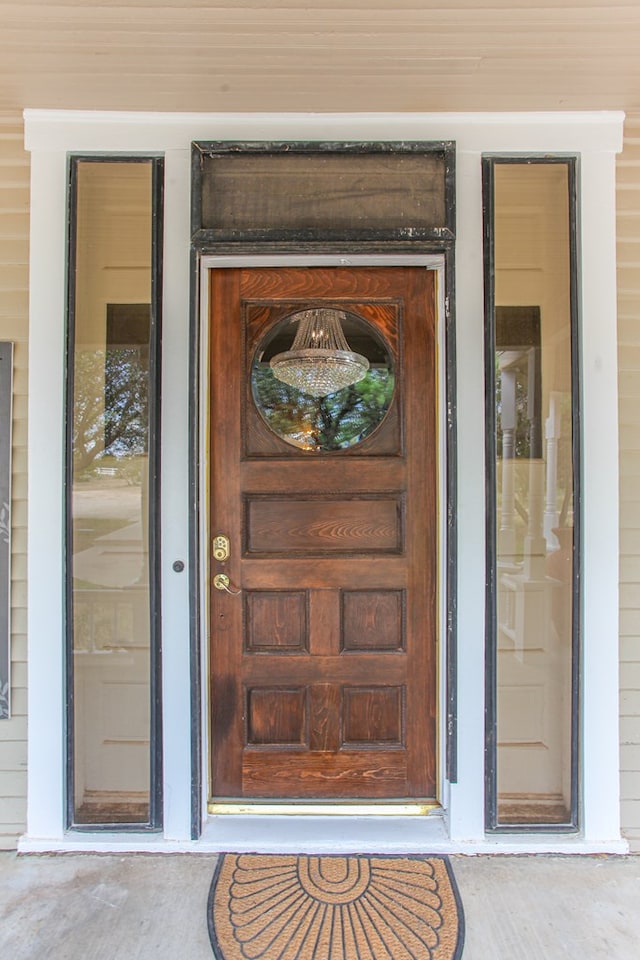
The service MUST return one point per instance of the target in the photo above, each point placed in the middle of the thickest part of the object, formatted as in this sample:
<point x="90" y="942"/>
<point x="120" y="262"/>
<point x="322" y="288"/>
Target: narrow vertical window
<point x="113" y="726"/>
<point x="532" y="517"/>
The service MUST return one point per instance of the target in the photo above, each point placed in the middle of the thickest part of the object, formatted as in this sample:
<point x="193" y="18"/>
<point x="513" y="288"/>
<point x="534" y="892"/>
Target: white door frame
<point x="435" y="262"/>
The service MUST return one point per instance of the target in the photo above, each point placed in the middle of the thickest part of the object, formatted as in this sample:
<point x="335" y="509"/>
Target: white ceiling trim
<point x="147" y="132"/>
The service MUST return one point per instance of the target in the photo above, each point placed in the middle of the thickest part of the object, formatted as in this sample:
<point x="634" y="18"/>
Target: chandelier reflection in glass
<point x="320" y="361"/>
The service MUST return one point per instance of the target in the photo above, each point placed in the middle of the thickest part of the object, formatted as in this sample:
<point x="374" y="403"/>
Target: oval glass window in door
<point x="322" y="379"/>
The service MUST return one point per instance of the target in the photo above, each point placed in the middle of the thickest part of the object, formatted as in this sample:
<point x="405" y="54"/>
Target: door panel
<point x="314" y="526"/>
<point x="323" y="668"/>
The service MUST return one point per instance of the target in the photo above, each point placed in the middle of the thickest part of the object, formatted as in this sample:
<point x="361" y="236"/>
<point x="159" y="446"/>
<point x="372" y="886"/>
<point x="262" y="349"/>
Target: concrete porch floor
<point x="138" y="906"/>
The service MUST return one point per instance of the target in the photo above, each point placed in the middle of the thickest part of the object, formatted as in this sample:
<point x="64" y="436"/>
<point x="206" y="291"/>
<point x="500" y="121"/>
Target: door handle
<point x="221" y="582"/>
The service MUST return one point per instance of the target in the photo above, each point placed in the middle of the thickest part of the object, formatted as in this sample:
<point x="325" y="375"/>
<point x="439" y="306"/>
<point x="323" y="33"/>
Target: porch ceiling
<point x="331" y="55"/>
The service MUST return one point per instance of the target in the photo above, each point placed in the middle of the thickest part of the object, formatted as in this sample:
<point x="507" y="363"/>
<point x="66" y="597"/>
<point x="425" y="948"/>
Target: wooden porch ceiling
<point x="331" y="55"/>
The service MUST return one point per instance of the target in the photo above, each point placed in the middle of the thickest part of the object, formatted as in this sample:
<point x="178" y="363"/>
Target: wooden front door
<point x="323" y="666"/>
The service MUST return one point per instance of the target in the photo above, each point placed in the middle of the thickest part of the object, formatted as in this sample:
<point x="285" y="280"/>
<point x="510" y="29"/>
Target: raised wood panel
<point x="276" y="717"/>
<point x="373" y="716"/>
<point x="317" y="527"/>
<point x="323" y="195"/>
<point x="373" y="620"/>
<point x="276" y="622"/>
<point x="310" y="775"/>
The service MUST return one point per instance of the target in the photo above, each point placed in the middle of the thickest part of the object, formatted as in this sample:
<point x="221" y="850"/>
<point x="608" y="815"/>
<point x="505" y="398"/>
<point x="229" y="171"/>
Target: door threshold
<point x="346" y="834"/>
<point x="318" y="809"/>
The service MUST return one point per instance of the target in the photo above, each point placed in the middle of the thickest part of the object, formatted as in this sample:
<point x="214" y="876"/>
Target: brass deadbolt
<point x="221" y="548"/>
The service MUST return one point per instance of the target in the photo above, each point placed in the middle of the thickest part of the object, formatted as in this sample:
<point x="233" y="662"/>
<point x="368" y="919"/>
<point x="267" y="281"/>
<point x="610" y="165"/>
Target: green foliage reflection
<point x="111" y="405"/>
<point x="335" y="422"/>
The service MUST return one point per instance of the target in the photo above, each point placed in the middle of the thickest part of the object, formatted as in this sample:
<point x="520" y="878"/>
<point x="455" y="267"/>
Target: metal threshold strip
<point x="317" y="809"/>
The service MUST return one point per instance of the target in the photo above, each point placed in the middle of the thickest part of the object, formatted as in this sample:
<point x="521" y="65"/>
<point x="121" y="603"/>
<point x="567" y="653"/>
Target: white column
<point x="600" y="760"/>
<point x="466" y="819"/>
<point x="176" y="674"/>
<point x="46" y="496"/>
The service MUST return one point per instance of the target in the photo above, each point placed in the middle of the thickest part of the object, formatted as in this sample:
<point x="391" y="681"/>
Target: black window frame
<point x="155" y="821"/>
<point x="386" y="242"/>
<point x="492" y="824"/>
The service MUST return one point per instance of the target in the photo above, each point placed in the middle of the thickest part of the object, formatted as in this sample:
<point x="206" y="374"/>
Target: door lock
<point x="221" y="548"/>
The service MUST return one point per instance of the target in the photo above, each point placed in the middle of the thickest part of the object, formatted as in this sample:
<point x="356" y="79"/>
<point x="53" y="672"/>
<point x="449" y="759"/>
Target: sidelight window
<point x="533" y="520"/>
<point x="112" y="461"/>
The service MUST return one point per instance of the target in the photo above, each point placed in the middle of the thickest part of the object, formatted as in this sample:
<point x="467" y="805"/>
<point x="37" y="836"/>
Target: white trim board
<point x="320" y="835"/>
<point x="50" y="135"/>
<point x="54" y="130"/>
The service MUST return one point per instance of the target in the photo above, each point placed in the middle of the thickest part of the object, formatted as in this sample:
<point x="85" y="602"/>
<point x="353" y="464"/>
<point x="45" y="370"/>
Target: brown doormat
<point x="335" y="908"/>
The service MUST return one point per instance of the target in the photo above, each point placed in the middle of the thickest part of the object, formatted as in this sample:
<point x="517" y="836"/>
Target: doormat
<point x="335" y="908"/>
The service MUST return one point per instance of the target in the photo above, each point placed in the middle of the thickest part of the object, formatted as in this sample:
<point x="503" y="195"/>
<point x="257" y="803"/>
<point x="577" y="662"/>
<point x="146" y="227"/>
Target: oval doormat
<point x="334" y="908"/>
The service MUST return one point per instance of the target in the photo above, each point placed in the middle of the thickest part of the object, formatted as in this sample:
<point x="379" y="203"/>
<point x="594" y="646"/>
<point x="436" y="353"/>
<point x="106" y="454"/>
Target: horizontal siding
<point x="630" y="631"/>
<point x="14" y="285"/>
<point x="628" y="252"/>
<point x="284" y="55"/>
<point x="630" y="731"/>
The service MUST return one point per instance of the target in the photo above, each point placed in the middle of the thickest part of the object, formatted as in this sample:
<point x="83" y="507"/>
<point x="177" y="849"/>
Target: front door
<point x="323" y="644"/>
